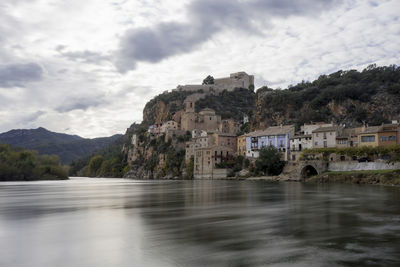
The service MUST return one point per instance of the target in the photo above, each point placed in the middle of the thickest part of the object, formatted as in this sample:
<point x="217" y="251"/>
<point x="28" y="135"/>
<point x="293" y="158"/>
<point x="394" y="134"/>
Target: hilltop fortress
<point x="235" y="80"/>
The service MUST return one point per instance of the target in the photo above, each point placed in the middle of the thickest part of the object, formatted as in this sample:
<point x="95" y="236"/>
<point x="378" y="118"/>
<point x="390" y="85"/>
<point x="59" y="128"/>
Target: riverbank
<point x="377" y="177"/>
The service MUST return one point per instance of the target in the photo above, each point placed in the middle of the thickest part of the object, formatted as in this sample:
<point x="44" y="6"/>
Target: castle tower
<point x="189" y="106"/>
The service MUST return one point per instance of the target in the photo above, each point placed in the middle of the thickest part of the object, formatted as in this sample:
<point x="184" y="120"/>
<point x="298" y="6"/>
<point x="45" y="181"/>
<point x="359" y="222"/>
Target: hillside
<point x="346" y="97"/>
<point x="67" y="147"/>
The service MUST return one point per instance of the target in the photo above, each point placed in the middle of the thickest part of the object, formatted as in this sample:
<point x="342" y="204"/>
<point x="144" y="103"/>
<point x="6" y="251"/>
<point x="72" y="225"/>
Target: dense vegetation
<point x="351" y="97"/>
<point x="111" y="160"/>
<point x="24" y="165"/>
<point x="67" y="147"/>
<point x="229" y="104"/>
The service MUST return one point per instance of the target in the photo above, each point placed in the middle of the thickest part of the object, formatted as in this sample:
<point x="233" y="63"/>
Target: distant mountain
<point x="67" y="147"/>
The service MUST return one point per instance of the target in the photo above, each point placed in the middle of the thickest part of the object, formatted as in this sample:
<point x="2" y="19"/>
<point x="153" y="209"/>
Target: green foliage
<point x="190" y="168"/>
<point x="229" y="104"/>
<point x="244" y="129"/>
<point x="269" y="161"/>
<point x="208" y="80"/>
<point x="23" y="165"/>
<point x="95" y="164"/>
<point x="314" y="153"/>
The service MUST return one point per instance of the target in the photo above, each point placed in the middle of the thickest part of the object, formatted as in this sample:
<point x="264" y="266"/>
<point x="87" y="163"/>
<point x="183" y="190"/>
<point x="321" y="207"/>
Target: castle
<point x="235" y="80"/>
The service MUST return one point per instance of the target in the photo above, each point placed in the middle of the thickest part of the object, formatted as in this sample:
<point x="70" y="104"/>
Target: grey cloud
<point x="33" y="117"/>
<point x="18" y="74"/>
<point x="80" y="103"/>
<point x="207" y="17"/>
<point x="83" y="56"/>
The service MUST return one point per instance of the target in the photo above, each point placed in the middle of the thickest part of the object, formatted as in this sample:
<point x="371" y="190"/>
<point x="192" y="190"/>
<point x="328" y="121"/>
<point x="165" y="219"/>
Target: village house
<point x="241" y="145"/>
<point x="324" y="137"/>
<point x="387" y="134"/>
<point x="368" y="136"/>
<point x="383" y="135"/>
<point x="276" y="136"/>
<point x="224" y="139"/>
<point x="206" y="160"/>
<point x="348" y="137"/>
<point x="195" y="143"/>
<point x="298" y="143"/>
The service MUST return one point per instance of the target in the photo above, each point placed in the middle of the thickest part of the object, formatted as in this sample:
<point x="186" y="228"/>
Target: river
<point x="116" y="222"/>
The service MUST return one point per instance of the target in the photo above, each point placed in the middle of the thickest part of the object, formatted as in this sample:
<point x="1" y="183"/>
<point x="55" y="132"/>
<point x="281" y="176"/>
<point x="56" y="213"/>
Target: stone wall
<point x="361" y="166"/>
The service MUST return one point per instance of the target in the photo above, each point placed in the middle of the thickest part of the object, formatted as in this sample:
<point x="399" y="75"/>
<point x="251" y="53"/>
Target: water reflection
<point x="105" y="222"/>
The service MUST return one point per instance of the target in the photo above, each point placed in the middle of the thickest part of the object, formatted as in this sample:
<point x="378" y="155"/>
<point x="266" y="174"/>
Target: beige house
<point x="241" y="145"/>
<point x="198" y="142"/>
<point x="205" y="160"/>
<point x="324" y="137"/>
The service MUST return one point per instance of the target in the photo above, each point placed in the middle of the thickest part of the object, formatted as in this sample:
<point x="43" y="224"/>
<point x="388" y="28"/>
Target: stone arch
<point x="308" y="171"/>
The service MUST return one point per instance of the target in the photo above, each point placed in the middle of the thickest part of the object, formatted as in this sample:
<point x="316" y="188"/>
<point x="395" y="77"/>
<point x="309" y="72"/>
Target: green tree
<point x="269" y="162"/>
<point x="190" y="168"/>
<point x="95" y="164"/>
<point x="208" y="80"/>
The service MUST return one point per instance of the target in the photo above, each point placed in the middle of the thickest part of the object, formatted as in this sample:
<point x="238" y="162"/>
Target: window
<point x="316" y="143"/>
<point x="316" y="134"/>
<point x="324" y="135"/>
<point x="392" y="138"/>
<point x="210" y="118"/>
<point x="281" y="143"/>
<point x="325" y="144"/>
<point x="383" y="138"/>
<point x="342" y="142"/>
<point x="368" y="138"/>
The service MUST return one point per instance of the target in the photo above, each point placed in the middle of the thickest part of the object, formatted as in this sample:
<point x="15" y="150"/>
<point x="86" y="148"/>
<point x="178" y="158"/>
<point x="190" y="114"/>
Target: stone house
<point x="383" y="135"/>
<point x="308" y="128"/>
<point x="198" y="142"/>
<point x="369" y="136"/>
<point x="348" y="137"/>
<point x="324" y="137"/>
<point x="387" y="135"/>
<point x="206" y="158"/>
<point x="223" y="139"/>
<point x="276" y="136"/>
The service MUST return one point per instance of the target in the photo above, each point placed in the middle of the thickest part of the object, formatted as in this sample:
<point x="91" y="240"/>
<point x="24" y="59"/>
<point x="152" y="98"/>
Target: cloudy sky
<point x="88" y="67"/>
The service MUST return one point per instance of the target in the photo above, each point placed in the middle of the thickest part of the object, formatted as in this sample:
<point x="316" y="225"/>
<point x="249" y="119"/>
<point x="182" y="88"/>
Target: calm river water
<point x="115" y="222"/>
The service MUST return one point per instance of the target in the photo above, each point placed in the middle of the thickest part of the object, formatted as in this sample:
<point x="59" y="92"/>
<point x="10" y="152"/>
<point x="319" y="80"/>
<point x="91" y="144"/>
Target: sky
<point x="89" y="67"/>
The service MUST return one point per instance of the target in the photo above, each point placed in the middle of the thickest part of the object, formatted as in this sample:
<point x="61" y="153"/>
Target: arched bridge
<point x="306" y="169"/>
